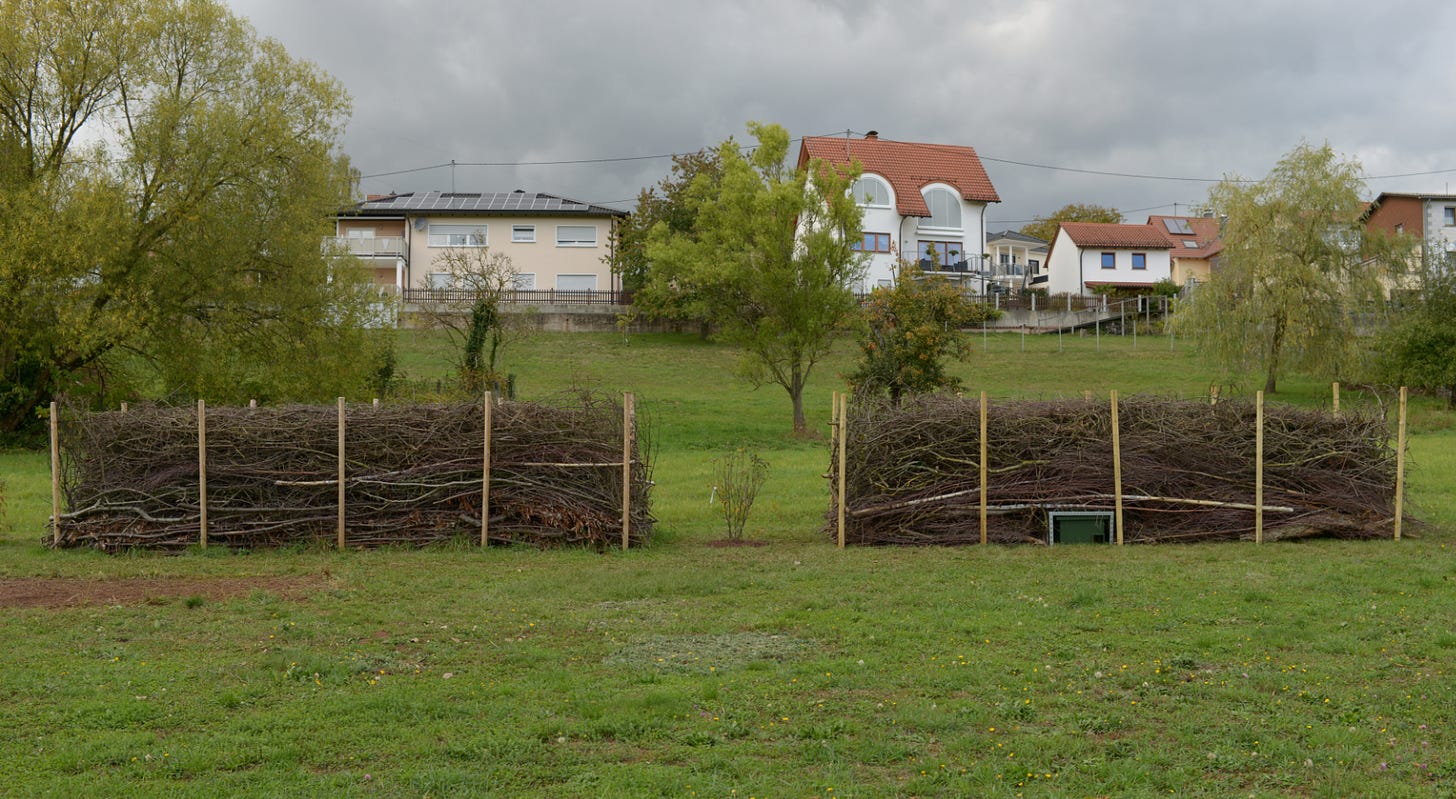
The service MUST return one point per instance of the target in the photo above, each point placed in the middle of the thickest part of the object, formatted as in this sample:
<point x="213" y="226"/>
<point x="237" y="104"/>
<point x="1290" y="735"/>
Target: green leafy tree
<point x="1045" y="227"/>
<point x="668" y="203"/>
<point x="768" y="259"/>
<point x="910" y="330"/>
<point x="1418" y="349"/>
<point x="1296" y="266"/>
<point x="166" y="177"/>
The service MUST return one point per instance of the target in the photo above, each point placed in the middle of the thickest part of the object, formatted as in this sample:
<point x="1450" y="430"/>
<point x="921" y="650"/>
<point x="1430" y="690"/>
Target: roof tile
<point x="908" y="166"/>
<point x="1104" y="234"/>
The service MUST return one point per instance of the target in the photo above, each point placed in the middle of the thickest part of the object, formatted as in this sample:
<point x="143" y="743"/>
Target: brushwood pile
<point x="413" y="475"/>
<point x="1188" y="470"/>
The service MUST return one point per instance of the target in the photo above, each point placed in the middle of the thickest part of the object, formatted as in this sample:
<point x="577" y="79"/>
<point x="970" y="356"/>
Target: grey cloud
<point x="1143" y="86"/>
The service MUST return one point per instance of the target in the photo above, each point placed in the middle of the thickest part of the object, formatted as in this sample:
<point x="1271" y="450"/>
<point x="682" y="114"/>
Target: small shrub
<point x="739" y="474"/>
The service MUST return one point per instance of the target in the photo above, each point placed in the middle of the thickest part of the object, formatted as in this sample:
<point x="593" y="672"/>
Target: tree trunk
<point x="795" y="388"/>
<point x="1275" y="345"/>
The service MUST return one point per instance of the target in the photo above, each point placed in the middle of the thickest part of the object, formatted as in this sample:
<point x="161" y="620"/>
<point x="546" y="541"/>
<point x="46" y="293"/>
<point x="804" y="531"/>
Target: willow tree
<point x="1297" y="266"/>
<point x="165" y="178"/>
<point x="768" y="259"/>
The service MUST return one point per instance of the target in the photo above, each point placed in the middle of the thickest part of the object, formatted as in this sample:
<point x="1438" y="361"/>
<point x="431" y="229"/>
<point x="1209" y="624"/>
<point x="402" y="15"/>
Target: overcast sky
<point x="1193" y="90"/>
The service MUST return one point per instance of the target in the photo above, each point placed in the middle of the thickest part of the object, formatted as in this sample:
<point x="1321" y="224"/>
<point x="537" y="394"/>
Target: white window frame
<point x="523" y="234"/>
<point x="955" y="199"/>
<point x="439" y="280"/>
<point x="576" y="242"/>
<point x="1450" y="216"/>
<point x="524" y="281"/>
<point x="859" y="197"/>
<point x="591" y="275"/>
<point x="471" y="235"/>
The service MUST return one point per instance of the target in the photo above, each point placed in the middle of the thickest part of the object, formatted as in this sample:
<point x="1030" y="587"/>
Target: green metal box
<point x="1079" y="527"/>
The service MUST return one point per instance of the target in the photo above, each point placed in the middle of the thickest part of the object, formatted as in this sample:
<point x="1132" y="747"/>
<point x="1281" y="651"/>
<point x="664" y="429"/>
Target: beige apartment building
<point x="554" y="243"/>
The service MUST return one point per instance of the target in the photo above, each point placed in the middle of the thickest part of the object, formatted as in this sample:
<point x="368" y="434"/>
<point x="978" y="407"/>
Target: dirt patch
<point x="71" y="592"/>
<point x="728" y="543"/>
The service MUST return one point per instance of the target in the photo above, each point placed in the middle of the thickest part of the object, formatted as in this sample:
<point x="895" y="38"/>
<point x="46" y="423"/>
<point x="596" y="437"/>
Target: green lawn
<point x="1319" y="668"/>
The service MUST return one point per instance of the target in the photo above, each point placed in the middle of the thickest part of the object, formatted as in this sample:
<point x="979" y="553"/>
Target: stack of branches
<point x="1188" y="470"/>
<point x="413" y="475"/>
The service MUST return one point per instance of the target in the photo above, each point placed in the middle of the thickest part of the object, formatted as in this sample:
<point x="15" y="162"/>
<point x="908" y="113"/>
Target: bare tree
<point x="470" y="312"/>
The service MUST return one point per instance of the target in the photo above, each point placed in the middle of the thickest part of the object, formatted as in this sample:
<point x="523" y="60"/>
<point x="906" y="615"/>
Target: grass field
<point x="1319" y="668"/>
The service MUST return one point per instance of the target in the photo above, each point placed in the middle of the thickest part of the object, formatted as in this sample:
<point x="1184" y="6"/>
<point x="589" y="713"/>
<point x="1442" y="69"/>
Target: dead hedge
<point x="413" y="475"/>
<point x="1188" y="470"/>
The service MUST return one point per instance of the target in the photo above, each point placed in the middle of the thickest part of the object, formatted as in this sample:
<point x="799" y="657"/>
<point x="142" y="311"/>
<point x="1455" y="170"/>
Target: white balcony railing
<point x="377" y="247"/>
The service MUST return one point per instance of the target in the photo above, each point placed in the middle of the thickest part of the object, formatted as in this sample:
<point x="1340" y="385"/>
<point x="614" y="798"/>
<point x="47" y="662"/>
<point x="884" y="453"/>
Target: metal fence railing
<point x="523" y="296"/>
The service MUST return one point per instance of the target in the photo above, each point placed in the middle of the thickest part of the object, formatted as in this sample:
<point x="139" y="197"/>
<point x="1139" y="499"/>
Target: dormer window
<point x="945" y="209"/>
<point x="870" y="192"/>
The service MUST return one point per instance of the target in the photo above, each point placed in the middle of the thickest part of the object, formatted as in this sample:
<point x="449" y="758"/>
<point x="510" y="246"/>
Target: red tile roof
<point x="1116" y="236"/>
<point x="908" y="166"/>
<point x="1205" y="236"/>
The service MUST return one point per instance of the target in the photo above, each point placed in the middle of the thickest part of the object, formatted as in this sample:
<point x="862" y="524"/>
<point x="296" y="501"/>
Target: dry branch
<point x="413" y="475"/>
<point x="1187" y="470"/>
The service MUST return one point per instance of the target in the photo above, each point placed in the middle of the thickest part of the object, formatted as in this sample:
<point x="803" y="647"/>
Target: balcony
<point x="365" y="247"/>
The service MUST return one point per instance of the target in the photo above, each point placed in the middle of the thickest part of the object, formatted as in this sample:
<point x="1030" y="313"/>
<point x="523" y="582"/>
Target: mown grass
<point x="1319" y="668"/>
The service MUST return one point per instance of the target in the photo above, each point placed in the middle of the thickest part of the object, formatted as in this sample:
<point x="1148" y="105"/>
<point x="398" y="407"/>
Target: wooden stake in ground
<point x="1259" y="467"/>
<point x="983" y="467"/>
<point x="341" y="472"/>
<point x="843" y="436"/>
<point x="123" y="406"/>
<point x="834" y="409"/>
<point x="627" y="419"/>
<point x="1400" y="465"/>
<point x="1335" y="387"/>
<point x="485" y="474"/>
<point x="202" y="473"/>
<point x="55" y="478"/>
<point x="1116" y="471"/>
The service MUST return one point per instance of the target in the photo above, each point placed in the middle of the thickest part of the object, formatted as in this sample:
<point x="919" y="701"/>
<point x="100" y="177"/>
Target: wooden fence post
<point x="123" y="406"/>
<point x="1335" y="388"/>
<point x="341" y="472"/>
<point x="1259" y="467"/>
<point x="485" y="474"/>
<point x="834" y="409"/>
<point x="202" y="473"/>
<point x="983" y="467"/>
<point x="843" y="436"/>
<point x="252" y="404"/>
<point x="1400" y="465"/>
<point x="1116" y="471"/>
<point x="55" y="478"/>
<point x="627" y="419"/>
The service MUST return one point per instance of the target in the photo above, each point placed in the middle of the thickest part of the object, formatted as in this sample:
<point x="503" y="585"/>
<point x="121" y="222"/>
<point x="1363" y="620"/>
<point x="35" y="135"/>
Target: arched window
<point x="945" y="208"/>
<point x="871" y="192"/>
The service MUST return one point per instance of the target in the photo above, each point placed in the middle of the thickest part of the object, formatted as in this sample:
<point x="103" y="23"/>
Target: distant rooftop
<point x="476" y="203"/>
<point x="908" y="166"/>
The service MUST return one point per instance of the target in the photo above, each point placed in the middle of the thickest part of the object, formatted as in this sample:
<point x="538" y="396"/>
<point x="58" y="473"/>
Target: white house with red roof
<point x="1087" y="257"/>
<point x="921" y="202"/>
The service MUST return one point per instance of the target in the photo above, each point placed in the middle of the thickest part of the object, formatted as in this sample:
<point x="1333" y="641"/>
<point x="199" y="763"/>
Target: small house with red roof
<point x="1196" y="246"/>
<point x="923" y="203"/>
<point x="1088" y="257"/>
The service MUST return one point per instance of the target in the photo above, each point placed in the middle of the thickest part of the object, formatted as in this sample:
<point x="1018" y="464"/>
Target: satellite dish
<point x="421" y="222"/>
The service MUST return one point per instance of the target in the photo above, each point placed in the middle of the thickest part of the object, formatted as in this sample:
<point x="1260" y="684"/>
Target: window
<point x="576" y="236"/>
<point x="524" y="281"/>
<point x="576" y="282"/>
<point x="1034" y="265"/>
<point x="1451" y="216"/>
<point x="945" y="209"/>
<point x="947" y="254"/>
<point x="1139" y="260"/>
<point x="1109" y="260"/>
<point x="439" y="280"/>
<point x="523" y="234"/>
<point x="872" y="242"/>
<point x="457" y="235"/>
<point x="871" y="192"/>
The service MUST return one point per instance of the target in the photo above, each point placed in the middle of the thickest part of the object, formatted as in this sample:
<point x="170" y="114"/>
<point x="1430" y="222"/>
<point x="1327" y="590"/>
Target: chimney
<point x="369" y="198"/>
<point x="873" y="135"/>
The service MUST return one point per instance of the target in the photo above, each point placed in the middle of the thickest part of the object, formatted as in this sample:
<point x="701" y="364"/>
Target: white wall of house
<point x="1070" y="267"/>
<point x="1437" y="229"/>
<point x="906" y="233"/>
<point x="552" y="250"/>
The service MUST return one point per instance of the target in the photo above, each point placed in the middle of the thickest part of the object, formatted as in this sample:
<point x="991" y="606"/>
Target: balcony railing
<point x="378" y="247"/>
<point x="522" y="297"/>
